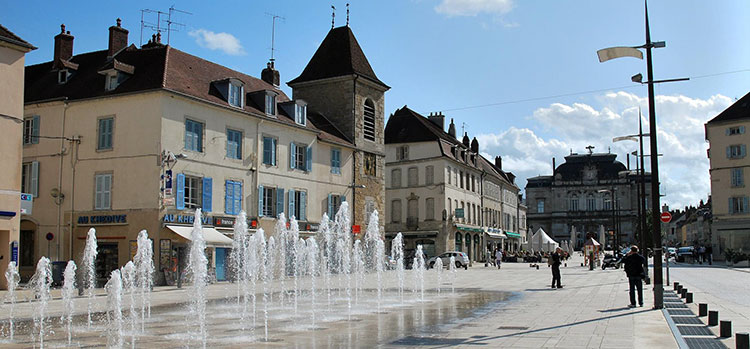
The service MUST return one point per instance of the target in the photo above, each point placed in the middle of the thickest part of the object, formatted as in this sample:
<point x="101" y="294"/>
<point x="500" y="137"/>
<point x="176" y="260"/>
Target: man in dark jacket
<point x="555" y="262"/>
<point x="634" y="269"/>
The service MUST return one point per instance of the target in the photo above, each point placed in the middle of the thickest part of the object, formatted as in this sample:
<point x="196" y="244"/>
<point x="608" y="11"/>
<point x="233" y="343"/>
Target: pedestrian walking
<point x="555" y="263"/>
<point x="710" y="254"/>
<point x="634" y="270"/>
<point x="702" y="253"/>
<point x="498" y="257"/>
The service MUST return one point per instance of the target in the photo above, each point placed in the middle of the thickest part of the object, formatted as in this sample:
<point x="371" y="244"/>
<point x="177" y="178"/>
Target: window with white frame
<point x="300" y="152"/>
<point x="429" y="175"/>
<point x="269" y="200"/>
<point x="30" y="178"/>
<point x="738" y="205"/>
<point x="736" y="151"/>
<point x="104" y="139"/>
<point x="450" y="175"/>
<point x="193" y="135"/>
<point x="31" y="130"/>
<point x="738" y="179"/>
<point x="737" y="130"/>
<point x="300" y="114"/>
<point x="193" y="191"/>
<point x="234" y="144"/>
<point x="103" y="191"/>
<point x="269" y="151"/>
<point x="270" y="104"/>
<point x="235" y="95"/>
<point x="298" y="204"/>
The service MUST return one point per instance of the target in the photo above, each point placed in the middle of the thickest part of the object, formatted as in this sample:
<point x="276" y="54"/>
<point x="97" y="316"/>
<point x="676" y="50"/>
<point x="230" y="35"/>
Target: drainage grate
<point x="516" y="328"/>
<point x="680" y="312"/>
<point x="695" y="331"/>
<point x="708" y="343"/>
<point x="675" y="306"/>
<point x="429" y="341"/>
<point x="686" y="320"/>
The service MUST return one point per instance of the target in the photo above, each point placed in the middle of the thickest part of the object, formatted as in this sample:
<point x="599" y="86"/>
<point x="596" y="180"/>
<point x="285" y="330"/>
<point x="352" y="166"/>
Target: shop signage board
<point x="111" y="219"/>
<point x="14" y="251"/>
<point x="27" y="201"/>
<point x="186" y="219"/>
<point x="459" y="213"/>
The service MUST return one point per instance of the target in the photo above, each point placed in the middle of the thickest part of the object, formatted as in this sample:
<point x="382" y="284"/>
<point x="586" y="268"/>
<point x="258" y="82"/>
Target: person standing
<point x="498" y="257"/>
<point x="555" y="258"/>
<point x="634" y="270"/>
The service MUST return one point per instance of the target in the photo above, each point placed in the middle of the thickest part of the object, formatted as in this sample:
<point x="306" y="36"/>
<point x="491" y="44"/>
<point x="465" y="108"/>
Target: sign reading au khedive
<point x="666" y="217"/>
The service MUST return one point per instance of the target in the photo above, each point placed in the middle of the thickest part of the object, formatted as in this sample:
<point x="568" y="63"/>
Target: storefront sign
<point x="115" y="219"/>
<point x="459" y="213"/>
<point x="187" y="219"/>
<point x="224" y="221"/>
<point x="27" y="201"/>
<point x="14" y="251"/>
<point x="168" y="183"/>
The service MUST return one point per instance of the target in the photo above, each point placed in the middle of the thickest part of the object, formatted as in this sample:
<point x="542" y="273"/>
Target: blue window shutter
<point x="279" y="201"/>
<point x="207" y="184"/>
<point x="291" y="203"/>
<point x="303" y="205"/>
<point x="237" y="197"/>
<point x="742" y="129"/>
<point x="330" y="205"/>
<point x="266" y="151"/>
<point x="729" y="152"/>
<point x="742" y="151"/>
<point x="744" y="204"/>
<point x="35" y="129"/>
<point x="730" y="206"/>
<point x="273" y="151"/>
<point x="228" y="196"/>
<point x="34" y="190"/>
<point x="260" y="201"/>
<point x="180" y="200"/>
<point x="308" y="159"/>
<point x="726" y="132"/>
<point x="292" y="153"/>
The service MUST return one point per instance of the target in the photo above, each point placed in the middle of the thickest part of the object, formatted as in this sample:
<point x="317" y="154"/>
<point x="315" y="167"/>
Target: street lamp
<point x="613" y="197"/>
<point x="617" y="52"/>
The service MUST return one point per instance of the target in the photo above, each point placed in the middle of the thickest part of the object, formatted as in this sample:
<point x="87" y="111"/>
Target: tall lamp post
<point x="617" y="52"/>
<point x="616" y="232"/>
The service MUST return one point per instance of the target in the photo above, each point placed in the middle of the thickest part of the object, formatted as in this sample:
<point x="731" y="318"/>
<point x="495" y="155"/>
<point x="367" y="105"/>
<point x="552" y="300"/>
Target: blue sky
<point x="454" y="55"/>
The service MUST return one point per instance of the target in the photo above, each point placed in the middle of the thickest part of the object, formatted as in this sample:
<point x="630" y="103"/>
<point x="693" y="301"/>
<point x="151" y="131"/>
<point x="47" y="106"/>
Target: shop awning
<point x="469" y="228"/>
<point x="513" y="235"/>
<point x="212" y="236"/>
<point x="415" y="234"/>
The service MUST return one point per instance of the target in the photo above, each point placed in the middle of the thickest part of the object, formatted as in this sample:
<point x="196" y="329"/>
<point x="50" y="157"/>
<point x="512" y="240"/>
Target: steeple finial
<point x="333" y="16"/>
<point x="347" y="14"/>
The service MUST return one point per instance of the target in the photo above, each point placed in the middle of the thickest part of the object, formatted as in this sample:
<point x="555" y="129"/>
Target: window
<point x="738" y="179"/>
<point x="30" y="178"/>
<point x="300" y="114"/>
<point x="103" y="191"/>
<point x="591" y="204"/>
<point x="540" y="205"/>
<point x="270" y="104"/>
<point x="455" y="176"/>
<point x="62" y="76"/>
<point x="429" y="175"/>
<point x="402" y="153"/>
<point x="298" y="204"/>
<point x="111" y="82"/>
<point x="31" y="130"/>
<point x="396" y="178"/>
<point x="607" y="204"/>
<point x="461" y="179"/>
<point x="234" y="144"/>
<point x="473" y="183"/>
<point x="235" y="95"/>
<point x="450" y="175"/>
<point x="738" y="205"/>
<point x="270" y="201"/>
<point x="334" y="202"/>
<point x="412" y="211"/>
<point x="232" y="197"/>
<point x="269" y="151"/>
<point x="336" y="160"/>
<point x="429" y="209"/>
<point x="193" y="195"/>
<point x="573" y="204"/>
<point x="396" y="211"/>
<point x="736" y="151"/>
<point x="300" y="157"/>
<point x="413" y="177"/>
<point x="106" y="126"/>
<point x="369" y="120"/>
<point x="370" y="164"/>
<point x="193" y="135"/>
<point x="731" y="131"/>
<point x="193" y="192"/>
<point x="450" y="208"/>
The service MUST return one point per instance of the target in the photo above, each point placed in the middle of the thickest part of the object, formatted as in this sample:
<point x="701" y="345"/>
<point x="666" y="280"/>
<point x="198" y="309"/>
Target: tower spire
<point x="347" y="14"/>
<point x="333" y="16"/>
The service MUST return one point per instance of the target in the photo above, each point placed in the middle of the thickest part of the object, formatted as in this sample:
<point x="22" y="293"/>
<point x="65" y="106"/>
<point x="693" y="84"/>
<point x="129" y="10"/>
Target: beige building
<point x="12" y="54"/>
<point x="442" y="194"/>
<point x="727" y="153"/>
<point x="145" y="136"/>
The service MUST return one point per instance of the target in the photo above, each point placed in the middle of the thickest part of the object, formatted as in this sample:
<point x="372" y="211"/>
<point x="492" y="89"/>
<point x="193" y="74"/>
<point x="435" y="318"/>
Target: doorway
<point x="106" y="261"/>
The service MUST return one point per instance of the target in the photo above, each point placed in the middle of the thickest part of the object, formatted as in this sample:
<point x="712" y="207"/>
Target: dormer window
<point x="62" y="76"/>
<point x="115" y="73"/>
<point x="300" y="114"/>
<point x="236" y="91"/>
<point x="111" y="81"/>
<point x="270" y="104"/>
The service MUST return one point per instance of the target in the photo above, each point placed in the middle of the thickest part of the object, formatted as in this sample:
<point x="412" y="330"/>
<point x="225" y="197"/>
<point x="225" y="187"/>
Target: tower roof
<point x="338" y="55"/>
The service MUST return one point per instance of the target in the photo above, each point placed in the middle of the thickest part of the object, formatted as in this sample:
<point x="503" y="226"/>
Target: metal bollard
<point x="679" y="288"/>
<point x="689" y="297"/>
<point x="742" y="340"/>
<point x="713" y="317"/>
<point x="683" y="292"/>
<point x="702" y="309"/>
<point x="676" y="284"/>
<point x="725" y="330"/>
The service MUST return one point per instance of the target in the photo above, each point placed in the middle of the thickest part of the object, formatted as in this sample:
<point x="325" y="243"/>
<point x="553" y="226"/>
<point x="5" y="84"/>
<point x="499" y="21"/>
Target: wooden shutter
<point x="228" y="197"/>
<point x="279" y="201"/>
<point x="308" y="159"/>
<point x="34" y="183"/>
<point x="207" y="192"/>
<point x="237" y="197"/>
<point x="330" y="206"/>
<point x="273" y="151"/>
<point x="35" y="129"/>
<point x="302" y="205"/>
<point x="291" y="204"/>
<point x="180" y="200"/>
<point x="260" y="201"/>
<point x="292" y="153"/>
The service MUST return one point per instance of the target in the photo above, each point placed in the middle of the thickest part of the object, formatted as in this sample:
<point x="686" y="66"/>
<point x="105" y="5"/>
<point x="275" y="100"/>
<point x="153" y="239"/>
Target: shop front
<point x="494" y="240"/>
<point x="514" y="241"/>
<point x="426" y="238"/>
<point x="469" y="240"/>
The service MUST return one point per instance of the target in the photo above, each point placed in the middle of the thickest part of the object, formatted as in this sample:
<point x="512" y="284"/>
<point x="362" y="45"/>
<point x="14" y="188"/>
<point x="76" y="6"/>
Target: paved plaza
<point x="510" y="307"/>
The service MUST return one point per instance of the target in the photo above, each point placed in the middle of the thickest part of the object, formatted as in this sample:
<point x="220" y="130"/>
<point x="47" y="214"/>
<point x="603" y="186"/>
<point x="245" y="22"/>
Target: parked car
<point x="671" y="251"/>
<point x="462" y="259"/>
<point x="409" y="258"/>
<point x="684" y="253"/>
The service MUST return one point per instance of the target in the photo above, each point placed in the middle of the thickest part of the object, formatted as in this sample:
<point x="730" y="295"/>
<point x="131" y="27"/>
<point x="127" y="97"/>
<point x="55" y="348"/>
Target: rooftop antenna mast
<point x="274" y="17"/>
<point x="172" y="9"/>
<point x="347" y="14"/>
<point x="463" y="127"/>
<point x="333" y="16"/>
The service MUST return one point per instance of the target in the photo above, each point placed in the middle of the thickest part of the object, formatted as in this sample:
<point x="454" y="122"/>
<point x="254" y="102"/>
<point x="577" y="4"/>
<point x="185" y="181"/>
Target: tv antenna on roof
<point x="170" y="22"/>
<point x="156" y="26"/>
<point x="463" y="127"/>
<point x="273" y="32"/>
<point x="333" y="16"/>
<point x="347" y="14"/>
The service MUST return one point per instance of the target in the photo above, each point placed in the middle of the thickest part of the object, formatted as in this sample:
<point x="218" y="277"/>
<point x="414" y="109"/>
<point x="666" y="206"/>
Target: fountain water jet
<point x="144" y="274"/>
<point x="419" y="272"/>
<point x="11" y="275"/>
<point x="128" y="274"/>
<point x="452" y="271"/>
<point x="89" y="271"/>
<point x="312" y="266"/>
<point x="198" y="268"/>
<point x="438" y="273"/>
<point x="40" y="283"/>
<point x="114" y="313"/>
<point x="268" y="267"/>
<point x="68" y="292"/>
<point x="358" y="270"/>
<point x="397" y="253"/>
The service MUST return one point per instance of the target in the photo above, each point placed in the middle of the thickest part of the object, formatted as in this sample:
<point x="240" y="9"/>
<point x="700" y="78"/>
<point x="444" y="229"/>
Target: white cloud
<point x="683" y="169"/>
<point x="218" y="41"/>
<point x="473" y="7"/>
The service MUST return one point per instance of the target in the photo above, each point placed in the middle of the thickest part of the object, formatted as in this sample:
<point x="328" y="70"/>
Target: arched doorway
<point x="468" y="246"/>
<point x="477" y="251"/>
<point x="459" y="240"/>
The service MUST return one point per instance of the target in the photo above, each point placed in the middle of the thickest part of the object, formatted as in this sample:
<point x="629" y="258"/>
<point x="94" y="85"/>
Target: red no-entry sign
<point x="666" y="217"/>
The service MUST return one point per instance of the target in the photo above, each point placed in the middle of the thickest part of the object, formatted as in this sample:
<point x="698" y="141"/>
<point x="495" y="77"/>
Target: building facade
<point x="577" y="200"/>
<point x="442" y="194"/>
<point x="728" y="140"/>
<point x="145" y="136"/>
<point x="12" y="55"/>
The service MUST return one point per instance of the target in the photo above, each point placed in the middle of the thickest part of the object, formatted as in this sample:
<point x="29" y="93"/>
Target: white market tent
<point x="540" y="241"/>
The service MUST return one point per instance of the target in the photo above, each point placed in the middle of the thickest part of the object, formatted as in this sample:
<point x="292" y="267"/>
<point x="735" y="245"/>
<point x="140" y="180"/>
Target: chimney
<point x="438" y="119"/>
<point x="499" y="162"/>
<point x="118" y="39"/>
<point x="270" y="75"/>
<point x="466" y="140"/>
<point x="475" y="145"/>
<point x="63" y="48"/>
<point x="452" y="129"/>
<point x="554" y="167"/>
<point x="628" y="157"/>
